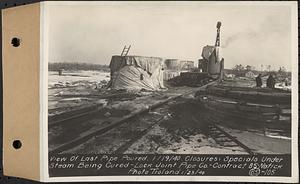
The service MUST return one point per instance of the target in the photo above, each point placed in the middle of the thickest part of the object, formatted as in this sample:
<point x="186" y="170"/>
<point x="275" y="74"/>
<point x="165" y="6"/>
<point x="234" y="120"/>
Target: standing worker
<point x="271" y="82"/>
<point x="258" y="81"/>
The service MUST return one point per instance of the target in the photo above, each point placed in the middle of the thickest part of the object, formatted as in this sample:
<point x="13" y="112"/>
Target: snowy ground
<point x="73" y="89"/>
<point x="77" y="78"/>
<point x="186" y="133"/>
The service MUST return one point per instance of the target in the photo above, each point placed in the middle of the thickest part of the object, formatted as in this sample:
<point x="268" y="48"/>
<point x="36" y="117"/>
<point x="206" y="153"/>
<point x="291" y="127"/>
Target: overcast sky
<point x="94" y="31"/>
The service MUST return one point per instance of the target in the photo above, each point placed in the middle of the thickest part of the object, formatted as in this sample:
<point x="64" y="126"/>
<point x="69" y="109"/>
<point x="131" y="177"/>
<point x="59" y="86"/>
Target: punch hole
<point x="17" y="144"/>
<point x="16" y="42"/>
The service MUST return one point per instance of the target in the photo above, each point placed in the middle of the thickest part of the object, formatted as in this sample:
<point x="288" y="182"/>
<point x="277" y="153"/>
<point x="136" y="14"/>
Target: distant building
<point x="186" y="65"/>
<point x="249" y="74"/>
<point x="173" y="67"/>
<point x="177" y="64"/>
<point x="169" y="74"/>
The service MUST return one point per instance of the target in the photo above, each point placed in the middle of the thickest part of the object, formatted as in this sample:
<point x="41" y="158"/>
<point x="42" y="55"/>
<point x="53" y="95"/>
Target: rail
<point x="86" y="136"/>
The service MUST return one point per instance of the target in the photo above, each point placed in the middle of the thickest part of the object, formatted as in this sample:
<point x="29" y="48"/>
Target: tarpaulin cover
<point x="136" y="73"/>
<point x="208" y="50"/>
<point x="149" y="64"/>
<point x="213" y="55"/>
<point x="135" y="78"/>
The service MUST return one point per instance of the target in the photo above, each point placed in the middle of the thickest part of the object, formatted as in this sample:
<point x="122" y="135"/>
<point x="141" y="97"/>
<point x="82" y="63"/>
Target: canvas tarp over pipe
<point x="213" y="55"/>
<point x="136" y="73"/>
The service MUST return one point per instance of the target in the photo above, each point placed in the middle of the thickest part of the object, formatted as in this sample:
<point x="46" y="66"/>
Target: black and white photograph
<point x="180" y="79"/>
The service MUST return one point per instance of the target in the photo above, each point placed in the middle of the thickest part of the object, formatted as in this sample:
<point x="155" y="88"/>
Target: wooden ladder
<point x="125" y="50"/>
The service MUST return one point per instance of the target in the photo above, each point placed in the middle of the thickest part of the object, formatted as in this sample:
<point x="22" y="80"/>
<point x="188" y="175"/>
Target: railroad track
<point x="144" y="124"/>
<point x="72" y="115"/>
<point x="102" y="130"/>
<point x="85" y="116"/>
<point x="139" y="125"/>
<point x="122" y="149"/>
<point x="81" y="112"/>
<point x="225" y="139"/>
<point x="141" y="122"/>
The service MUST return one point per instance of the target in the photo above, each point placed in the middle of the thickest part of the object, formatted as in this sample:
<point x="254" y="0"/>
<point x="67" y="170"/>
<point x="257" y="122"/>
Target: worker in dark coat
<point x="258" y="81"/>
<point x="271" y="82"/>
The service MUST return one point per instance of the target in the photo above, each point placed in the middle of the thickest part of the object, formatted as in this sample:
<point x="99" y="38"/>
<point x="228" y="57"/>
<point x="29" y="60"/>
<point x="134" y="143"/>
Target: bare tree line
<point x="77" y="66"/>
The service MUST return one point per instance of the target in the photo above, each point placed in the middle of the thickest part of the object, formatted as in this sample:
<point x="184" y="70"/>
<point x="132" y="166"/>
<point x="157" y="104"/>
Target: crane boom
<point x="217" y="44"/>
